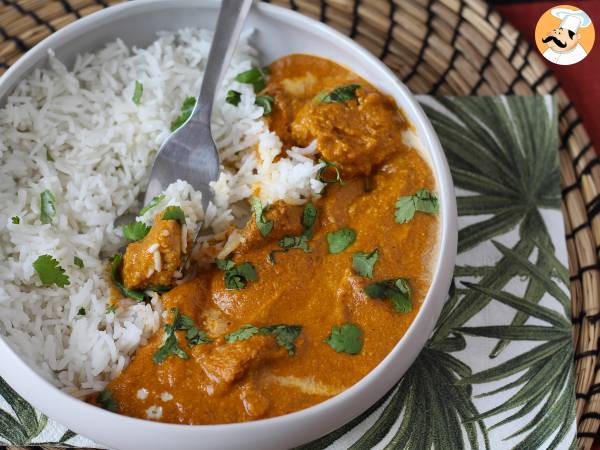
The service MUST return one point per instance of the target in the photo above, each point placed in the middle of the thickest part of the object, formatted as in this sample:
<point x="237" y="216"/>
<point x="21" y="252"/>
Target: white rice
<point x="103" y="146"/>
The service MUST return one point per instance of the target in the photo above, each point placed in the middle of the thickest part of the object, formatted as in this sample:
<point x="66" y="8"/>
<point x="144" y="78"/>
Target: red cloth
<point x="580" y="81"/>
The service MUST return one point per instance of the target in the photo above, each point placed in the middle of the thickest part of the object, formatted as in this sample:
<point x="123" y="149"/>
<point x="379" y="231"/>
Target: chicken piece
<point x="141" y="265"/>
<point x="287" y="221"/>
<point x="256" y="404"/>
<point x="288" y="99"/>
<point x="230" y="362"/>
<point x="356" y="135"/>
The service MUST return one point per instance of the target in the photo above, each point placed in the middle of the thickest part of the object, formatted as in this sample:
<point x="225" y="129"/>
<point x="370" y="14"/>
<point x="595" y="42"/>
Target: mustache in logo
<point x="558" y="42"/>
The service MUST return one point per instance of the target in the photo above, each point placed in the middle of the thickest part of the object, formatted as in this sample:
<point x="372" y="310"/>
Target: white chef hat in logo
<point x="571" y="19"/>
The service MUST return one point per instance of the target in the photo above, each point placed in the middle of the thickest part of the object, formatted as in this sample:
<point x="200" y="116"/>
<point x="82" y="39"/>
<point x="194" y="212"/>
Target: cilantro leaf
<point x="340" y="240"/>
<point x="287" y="243"/>
<point x="16" y="220"/>
<point x="309" y="216"/>
<point x="262" y="223"/>
<point x="47" y="206"/>
<point x="324" y="177"/>
<point x="256" y="76"/>
<point x="110" y="309"/>
<point x="186" y="111"/>
<point x="159" y="288"/>
<point x="137" y="92"/>
<point x="398" y="291"/>
<point x="266" y="102"/>
<point x="193" y="336"/>
<point x="340" y="94"/>
<point x="291" y="242"/>
<point x="363" y="262"/>
<point x="345" y="338"/>
<point x="115" y="270"/>
<point x="81" y="311"/>
<point x="78" y="262"/>
<point x="135" y="231"/>
<point x="174" y="213"/>
<point x="50" y="271"/>
<point x="285" y="335"/>
<point x="155" y="201"/>
<point x="233" y="97"/>
<point x="49" y="156"/>
<point x="423" y="201"/>
<point x="236" y="276"/>
<point x="243" y="333"/>
<point x="106" y="401"/>
<point x="169" y="347"/>
<point x="225" y="264"/>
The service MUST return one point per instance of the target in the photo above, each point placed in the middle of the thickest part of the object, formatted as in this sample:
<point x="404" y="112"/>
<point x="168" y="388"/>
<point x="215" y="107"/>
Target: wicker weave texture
<point x="437" y="47"/>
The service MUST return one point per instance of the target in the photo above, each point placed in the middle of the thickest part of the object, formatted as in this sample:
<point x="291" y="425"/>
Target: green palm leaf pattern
<point x="25" y="424"/>
<point x="493" y="151"/>
<point x="502" y="154"/>
<point x="544" y="368"/>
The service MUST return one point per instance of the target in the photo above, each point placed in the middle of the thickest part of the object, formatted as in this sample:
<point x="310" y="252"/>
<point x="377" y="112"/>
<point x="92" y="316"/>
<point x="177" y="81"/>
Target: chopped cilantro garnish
<point x="266" y="102"/>
<point x="135" y="231"/>
<point x="256" y="76"/>
<point x="155" y="201"/>
<point x="105" y="400"/>
<point x="193" y="336"/>
<point x="323" y="177"/>
<point x="245" y="332"/>
<point x="186" y="111"/>
<point x="78" y="262"/>
<point x="110" y="309"/>
<point x="309" y="216"/>
<point x="345" y="338"/>
<point x="159" y="288"/>
<point x="137" y="92"/>
<point x="50" y="271"/>
<point x="398" y="291"/>
<point x="233" y="97"/>
<point x="15" y="220"/>
<point x="81" y="312"/>
<point x="423" y="200"/>
<point x="340" y="240"/>
<point x="115" y="270"/>
<point x="264" y="226"/>
<point x="287" y="243"/>
<point x="174" y="213"/>
<point x="49" y="156"/>
<point x="47" y="206"/>
<point x="285" y="335"/>
<point x="338" y="95"/>
<point x="290" y="242"/>
<point x="236" y="276"/>
<point x="363" y="262"/>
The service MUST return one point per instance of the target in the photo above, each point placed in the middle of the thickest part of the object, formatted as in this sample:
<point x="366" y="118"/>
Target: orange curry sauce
<point x="224" y="382"/>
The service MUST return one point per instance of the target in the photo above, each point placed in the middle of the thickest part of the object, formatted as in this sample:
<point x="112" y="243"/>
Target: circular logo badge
<point x="564" y="35"/>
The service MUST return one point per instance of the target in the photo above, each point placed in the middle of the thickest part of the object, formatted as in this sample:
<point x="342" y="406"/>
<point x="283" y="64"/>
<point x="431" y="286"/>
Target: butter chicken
<point x="316" y="295"/>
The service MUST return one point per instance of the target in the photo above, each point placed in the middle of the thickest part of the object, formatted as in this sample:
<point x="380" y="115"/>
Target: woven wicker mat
<point x="448" y="47"/>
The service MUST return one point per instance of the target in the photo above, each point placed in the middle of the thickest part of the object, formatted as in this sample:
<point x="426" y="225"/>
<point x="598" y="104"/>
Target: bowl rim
<point x="22" y="374"/>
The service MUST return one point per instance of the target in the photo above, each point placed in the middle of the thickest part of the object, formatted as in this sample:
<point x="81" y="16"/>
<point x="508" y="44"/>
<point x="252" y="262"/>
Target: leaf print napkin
<point x="497" y="373"/>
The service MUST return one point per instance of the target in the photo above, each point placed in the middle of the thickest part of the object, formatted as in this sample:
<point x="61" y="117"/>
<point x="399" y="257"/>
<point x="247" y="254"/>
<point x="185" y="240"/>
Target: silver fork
<point x="190" y="153"/>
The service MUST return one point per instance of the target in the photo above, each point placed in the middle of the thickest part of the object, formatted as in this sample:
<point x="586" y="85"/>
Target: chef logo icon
<point x="564" y="35"/>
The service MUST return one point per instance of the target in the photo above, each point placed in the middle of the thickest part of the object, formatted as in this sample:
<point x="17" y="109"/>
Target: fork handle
<point x="227" y="33"/>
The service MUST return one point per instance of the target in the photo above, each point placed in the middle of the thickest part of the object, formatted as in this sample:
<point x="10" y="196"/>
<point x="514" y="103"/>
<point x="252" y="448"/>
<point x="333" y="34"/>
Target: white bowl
<point x="278" y="32"/>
